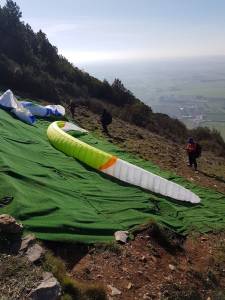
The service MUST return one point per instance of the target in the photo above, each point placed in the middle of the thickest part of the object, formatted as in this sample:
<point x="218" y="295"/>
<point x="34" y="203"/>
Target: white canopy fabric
<point x="9" y="100"/>
<point x="26" y="111"/>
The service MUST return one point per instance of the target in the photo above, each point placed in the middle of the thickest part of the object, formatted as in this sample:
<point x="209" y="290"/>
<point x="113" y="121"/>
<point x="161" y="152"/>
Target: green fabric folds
<point x="61" y="199"/>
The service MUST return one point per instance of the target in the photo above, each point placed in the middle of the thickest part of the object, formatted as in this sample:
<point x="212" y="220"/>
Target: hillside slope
<point x="163" y="152"/>
<point x="59" y="198"/>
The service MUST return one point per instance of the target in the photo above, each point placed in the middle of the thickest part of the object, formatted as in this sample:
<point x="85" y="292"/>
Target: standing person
<point x="192" y="151"/>
<point x="106" y="119"/>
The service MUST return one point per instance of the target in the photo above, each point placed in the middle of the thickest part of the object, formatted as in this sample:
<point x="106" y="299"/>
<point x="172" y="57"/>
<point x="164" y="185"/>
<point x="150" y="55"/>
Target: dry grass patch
<point x="17" y="277"/>
<point x="72" y="289"/>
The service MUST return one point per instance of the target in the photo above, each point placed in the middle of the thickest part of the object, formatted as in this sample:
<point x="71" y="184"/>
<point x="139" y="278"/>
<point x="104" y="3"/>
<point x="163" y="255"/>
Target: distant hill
<point x="31" y="66"/>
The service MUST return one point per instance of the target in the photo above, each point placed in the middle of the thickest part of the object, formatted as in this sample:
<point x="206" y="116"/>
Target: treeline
<point x="31" y="66"/>
<point x="29" y="63"/>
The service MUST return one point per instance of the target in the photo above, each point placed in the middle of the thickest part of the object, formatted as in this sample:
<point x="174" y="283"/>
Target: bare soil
<point x="145" y="268"/>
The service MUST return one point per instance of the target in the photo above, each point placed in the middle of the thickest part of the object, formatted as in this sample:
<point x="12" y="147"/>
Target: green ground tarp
<point x="59" y="198"/>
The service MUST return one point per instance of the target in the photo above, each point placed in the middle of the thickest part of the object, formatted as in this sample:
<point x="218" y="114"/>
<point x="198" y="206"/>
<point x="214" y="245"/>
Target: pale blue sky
<point x="98" y="30"/>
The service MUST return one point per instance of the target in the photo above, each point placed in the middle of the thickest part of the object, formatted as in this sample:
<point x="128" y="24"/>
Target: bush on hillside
<point x="211" y="140"/>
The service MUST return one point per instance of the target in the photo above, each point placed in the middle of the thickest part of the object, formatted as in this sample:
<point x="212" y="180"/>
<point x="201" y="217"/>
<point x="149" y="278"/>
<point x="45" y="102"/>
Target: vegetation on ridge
<point x="30" y="65"/>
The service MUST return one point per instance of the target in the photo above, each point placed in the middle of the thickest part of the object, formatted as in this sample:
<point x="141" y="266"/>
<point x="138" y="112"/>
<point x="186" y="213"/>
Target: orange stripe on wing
<point x="109" y="163"/>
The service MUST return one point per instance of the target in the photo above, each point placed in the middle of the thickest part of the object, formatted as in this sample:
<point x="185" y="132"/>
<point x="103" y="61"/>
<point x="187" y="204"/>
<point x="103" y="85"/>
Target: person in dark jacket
<point x="191" y="149"/>
<point x="106" y="119"/>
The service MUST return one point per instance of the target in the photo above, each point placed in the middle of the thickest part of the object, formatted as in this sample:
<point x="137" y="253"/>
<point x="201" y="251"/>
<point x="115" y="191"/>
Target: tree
<point x="118" y="85"/>
<point x="12" y="10"/>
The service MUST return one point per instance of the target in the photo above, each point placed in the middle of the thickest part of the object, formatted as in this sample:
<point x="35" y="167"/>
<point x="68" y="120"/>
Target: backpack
<point x="198" y="150"/>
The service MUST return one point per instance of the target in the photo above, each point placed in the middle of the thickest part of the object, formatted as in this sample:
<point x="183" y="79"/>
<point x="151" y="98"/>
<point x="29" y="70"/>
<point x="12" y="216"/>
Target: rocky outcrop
<point x="113" y="290"/>
<point x="28" y="241"/>
<point x="35" y="253"/>
<point x="48" y="289"/>
<point x="8" y="225"/>
<point x="121" y="236"/>
<point x="27" y="252"/>
<point x="29" y="247"/>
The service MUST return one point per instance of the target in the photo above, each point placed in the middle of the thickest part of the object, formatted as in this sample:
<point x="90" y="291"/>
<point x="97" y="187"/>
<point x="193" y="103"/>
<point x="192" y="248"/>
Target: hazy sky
<point x="99" y="30"/>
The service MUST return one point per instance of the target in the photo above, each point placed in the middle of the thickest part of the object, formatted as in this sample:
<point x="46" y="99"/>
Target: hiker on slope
<point x="194" y="151"/>
<point x="106" y="119"/>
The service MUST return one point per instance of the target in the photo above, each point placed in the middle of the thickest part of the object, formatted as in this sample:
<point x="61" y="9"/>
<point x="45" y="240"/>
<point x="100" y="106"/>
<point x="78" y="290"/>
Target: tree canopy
<point x="29" y="63"/>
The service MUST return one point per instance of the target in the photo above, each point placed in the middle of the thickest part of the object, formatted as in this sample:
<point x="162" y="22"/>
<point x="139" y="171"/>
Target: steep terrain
<point x="62" y="200"/>
<point x="157" y="264"/>
<point x="165" y="153"/>
<point x="33" y="172"/>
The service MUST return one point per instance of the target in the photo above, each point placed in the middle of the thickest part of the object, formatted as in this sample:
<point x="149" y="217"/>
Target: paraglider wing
<point x="113" y="166"/>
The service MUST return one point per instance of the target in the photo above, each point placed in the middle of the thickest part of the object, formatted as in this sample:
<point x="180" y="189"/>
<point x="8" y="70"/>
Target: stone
<point x="35" y="253"/>
<point x="48" y="289"/>
<point x="113" y="291"/>
<point x="9" y="225"/>
<point x="129" y="286"/>
<point x="121" y="236"/>
<point x="172" y="267"/>
<point x="27" y="241"/>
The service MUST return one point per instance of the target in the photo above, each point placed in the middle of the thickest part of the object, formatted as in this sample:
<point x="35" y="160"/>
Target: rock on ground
<point x="27" y="242"/>
<point x="48" y="289"/>
<point x="9" y="225"/>
<point x="113" y="291"/>
<point x="35" y="253"/>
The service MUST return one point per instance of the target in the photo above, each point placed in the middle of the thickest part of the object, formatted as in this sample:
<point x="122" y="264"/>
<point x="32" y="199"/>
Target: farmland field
<point x="192" y="90"/>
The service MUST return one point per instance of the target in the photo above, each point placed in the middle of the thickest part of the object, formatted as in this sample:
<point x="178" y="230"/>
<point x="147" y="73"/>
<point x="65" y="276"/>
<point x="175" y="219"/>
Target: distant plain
<point x="191" y="89"/>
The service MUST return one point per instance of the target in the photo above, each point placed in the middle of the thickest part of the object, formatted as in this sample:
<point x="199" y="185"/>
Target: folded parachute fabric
<point x="112" y="165"/>
<point x="8" y="100"/>
<point x="43" y="111"/>
<point x="24" y="115"/>
<point x="26" y="111"/>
